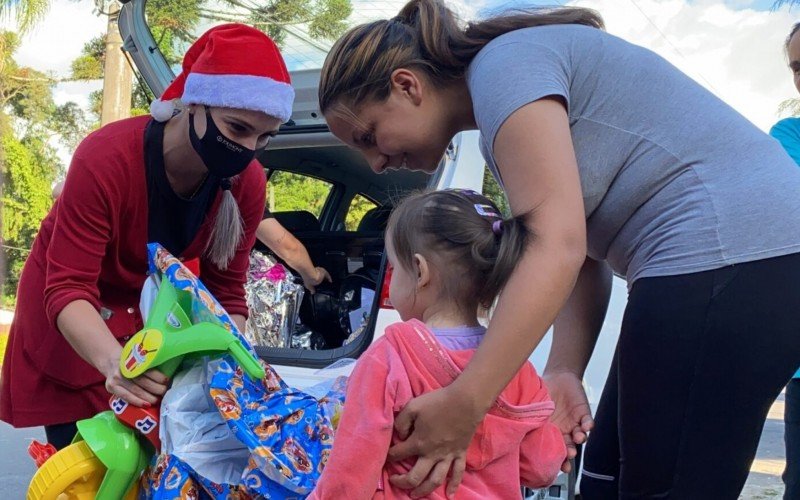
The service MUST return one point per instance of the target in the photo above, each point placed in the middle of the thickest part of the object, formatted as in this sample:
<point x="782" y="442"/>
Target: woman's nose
<point x="251" y="143"/>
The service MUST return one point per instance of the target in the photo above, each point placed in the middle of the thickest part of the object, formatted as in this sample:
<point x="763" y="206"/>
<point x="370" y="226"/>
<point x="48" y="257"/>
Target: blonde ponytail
<point x="228" y="231"/>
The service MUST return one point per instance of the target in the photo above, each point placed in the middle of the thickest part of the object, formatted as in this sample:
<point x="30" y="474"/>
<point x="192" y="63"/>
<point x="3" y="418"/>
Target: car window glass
<point x="289" y="191"/>
<point x="358" y="208"/>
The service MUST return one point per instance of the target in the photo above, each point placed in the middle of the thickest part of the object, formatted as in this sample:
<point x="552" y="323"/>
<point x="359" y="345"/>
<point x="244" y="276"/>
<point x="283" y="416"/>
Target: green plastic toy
<point x="120" y="442"/>
<point x="169" y="336"/>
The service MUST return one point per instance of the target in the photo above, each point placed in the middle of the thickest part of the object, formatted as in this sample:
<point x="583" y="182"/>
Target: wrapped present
<point x="273" y="300"/>
<point x="286" y="433"/>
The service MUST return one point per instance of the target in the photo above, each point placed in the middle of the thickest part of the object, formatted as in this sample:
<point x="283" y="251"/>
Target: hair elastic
<point x="497" y="227"/>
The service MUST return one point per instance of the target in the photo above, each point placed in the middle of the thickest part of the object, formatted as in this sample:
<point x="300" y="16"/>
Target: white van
<point x="352" y="251"/>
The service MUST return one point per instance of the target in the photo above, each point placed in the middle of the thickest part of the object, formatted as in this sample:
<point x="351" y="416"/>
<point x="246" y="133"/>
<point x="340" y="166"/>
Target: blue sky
<point x="752" y="4"/>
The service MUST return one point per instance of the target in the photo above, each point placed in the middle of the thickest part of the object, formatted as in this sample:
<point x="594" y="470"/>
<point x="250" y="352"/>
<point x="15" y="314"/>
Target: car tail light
<point x="387" y="279"/>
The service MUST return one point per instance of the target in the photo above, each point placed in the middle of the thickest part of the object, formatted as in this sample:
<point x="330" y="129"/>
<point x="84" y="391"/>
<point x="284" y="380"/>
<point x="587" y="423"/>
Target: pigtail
<point x="512" y="239"/>
<point x="228" y="230"/>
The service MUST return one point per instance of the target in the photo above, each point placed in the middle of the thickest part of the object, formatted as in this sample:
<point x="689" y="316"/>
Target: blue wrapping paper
<point x="288" y="431"/>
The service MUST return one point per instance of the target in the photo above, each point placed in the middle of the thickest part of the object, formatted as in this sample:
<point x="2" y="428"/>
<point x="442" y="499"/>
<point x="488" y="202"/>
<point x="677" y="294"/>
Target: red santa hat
<point x="231" y="66"/>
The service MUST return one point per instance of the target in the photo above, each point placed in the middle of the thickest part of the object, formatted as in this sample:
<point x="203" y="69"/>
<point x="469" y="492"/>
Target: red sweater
<point x="93" y="246"/>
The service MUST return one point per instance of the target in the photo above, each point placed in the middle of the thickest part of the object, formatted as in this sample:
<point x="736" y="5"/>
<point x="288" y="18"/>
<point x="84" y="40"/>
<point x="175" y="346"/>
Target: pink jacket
<point x="514" y="445"/>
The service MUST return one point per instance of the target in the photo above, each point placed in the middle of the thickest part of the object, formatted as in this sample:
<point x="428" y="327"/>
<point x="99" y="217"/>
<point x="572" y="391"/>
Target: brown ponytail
<point x="426" y="35"/>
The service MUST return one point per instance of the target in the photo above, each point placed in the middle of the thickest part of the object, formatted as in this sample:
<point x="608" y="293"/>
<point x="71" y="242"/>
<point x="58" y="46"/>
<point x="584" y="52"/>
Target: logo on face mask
<point x="228" y="144"/>
<point x="222" y="157"/>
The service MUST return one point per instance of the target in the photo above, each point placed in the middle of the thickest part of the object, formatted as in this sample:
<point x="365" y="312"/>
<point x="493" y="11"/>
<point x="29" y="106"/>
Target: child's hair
<point x="462" y="232"/>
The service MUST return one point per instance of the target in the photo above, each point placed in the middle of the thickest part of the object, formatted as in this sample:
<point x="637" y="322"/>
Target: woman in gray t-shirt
<point x="625" y="165"/>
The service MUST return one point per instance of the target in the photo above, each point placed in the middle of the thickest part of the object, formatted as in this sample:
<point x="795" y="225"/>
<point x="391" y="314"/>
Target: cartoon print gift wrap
<point x="288" y="432"/>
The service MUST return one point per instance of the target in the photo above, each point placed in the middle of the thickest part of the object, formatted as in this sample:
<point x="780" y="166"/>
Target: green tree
<point x="358" y="208"/>
<point x="26" y="199"/>
<point x="29" y="120"/>
<point x="325" y="19"/>
<point x="493" y="191"/>
<point x="26" y="12"/>
<point x="297" y="192"/>
<point x="174" y="25"/>
<point x="89" y="65"/>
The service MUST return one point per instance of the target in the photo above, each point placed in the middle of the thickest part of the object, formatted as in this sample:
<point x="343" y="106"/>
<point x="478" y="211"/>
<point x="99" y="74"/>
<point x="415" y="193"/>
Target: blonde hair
<point x="425" y="35"/>
<point x="228" y="230"/>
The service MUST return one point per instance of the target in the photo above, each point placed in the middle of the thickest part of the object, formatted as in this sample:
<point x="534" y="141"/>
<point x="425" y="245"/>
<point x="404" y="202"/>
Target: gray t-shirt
<point x="674" y="180"/>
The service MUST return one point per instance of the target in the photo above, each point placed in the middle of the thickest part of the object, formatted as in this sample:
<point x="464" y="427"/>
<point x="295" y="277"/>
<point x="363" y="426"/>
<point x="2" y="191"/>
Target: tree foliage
<point x="358" y="208"/>
<point x="29" y="122"/>
<point x="325" y="19"/>
<point x="298" y="192"/>
<point x="175" y="25"/>
<point x="89" y="65"/>
<point x="493" y="191"/>
<point x="28" y="172"/>
<point x="26" y="12"/>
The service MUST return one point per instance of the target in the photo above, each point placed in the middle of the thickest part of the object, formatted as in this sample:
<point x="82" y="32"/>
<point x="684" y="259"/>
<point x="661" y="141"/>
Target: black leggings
<point x="700" y="359"/>
<point x="60" y="435"/>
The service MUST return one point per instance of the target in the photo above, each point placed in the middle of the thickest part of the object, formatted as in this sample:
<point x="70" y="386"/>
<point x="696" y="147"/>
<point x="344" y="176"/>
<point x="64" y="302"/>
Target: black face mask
<point x="223" y="157"/>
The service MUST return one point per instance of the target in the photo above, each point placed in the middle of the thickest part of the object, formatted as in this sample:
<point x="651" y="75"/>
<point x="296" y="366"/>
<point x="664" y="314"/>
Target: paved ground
<point x="765" y="474"/>
<point x="764" y="483"/>
<point x="16" y="469"/>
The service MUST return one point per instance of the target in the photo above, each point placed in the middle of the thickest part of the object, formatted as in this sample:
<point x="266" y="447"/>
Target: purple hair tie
<point x="497" y="227"/>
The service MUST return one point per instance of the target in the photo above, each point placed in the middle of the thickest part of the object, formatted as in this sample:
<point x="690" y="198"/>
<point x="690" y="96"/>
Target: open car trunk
<point x="348" y="306"/>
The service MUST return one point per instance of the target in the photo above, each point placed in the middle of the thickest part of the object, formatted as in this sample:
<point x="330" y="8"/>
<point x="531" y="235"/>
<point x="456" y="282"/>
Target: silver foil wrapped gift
<point x="273" y="299"/>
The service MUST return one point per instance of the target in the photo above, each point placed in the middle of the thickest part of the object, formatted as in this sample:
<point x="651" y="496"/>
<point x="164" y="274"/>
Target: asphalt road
<point x="16" y="467"/>
<point x="764" y="483"/>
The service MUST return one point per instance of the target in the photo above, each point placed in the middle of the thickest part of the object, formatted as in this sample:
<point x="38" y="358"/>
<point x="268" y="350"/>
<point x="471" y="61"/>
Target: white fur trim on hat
<point x="162" y="110"/>
<point x="257" y="93"/>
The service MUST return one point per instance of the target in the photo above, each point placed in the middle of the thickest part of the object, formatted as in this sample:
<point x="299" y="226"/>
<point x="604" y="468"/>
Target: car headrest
<point x="298" y="221"/>
<point x="375" y="219"/>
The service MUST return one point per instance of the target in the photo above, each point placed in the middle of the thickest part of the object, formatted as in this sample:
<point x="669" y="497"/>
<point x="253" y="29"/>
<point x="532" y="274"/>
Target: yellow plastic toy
<point x="74" y="473"/>
<point x="111" y="449"/>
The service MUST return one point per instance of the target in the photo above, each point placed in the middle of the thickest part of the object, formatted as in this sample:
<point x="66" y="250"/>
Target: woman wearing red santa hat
<point x="185" y="178"/>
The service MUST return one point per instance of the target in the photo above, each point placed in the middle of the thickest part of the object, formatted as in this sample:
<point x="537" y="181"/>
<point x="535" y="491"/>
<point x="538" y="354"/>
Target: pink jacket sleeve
<point x="362" y="440"/>
<point x="541" y="454"/>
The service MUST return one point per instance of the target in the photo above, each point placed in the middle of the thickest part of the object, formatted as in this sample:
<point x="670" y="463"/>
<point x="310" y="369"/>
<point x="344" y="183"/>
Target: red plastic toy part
<point x="143" y="420"/>
<point x="40" y="452"/>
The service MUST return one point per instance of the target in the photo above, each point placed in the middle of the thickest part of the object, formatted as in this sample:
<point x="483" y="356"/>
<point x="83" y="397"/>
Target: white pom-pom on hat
<point x="162" y="110"/>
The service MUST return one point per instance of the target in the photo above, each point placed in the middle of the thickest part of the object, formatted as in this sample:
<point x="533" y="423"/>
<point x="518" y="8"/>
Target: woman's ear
<point x="407" y="84"/>
<point x="423" y="271"/>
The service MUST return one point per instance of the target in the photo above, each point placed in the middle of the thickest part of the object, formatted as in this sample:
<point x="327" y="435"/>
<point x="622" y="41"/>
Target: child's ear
<point x="423" y="271"/>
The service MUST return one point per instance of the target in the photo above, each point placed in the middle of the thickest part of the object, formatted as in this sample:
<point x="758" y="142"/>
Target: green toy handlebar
<point x="169" y="336"/>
